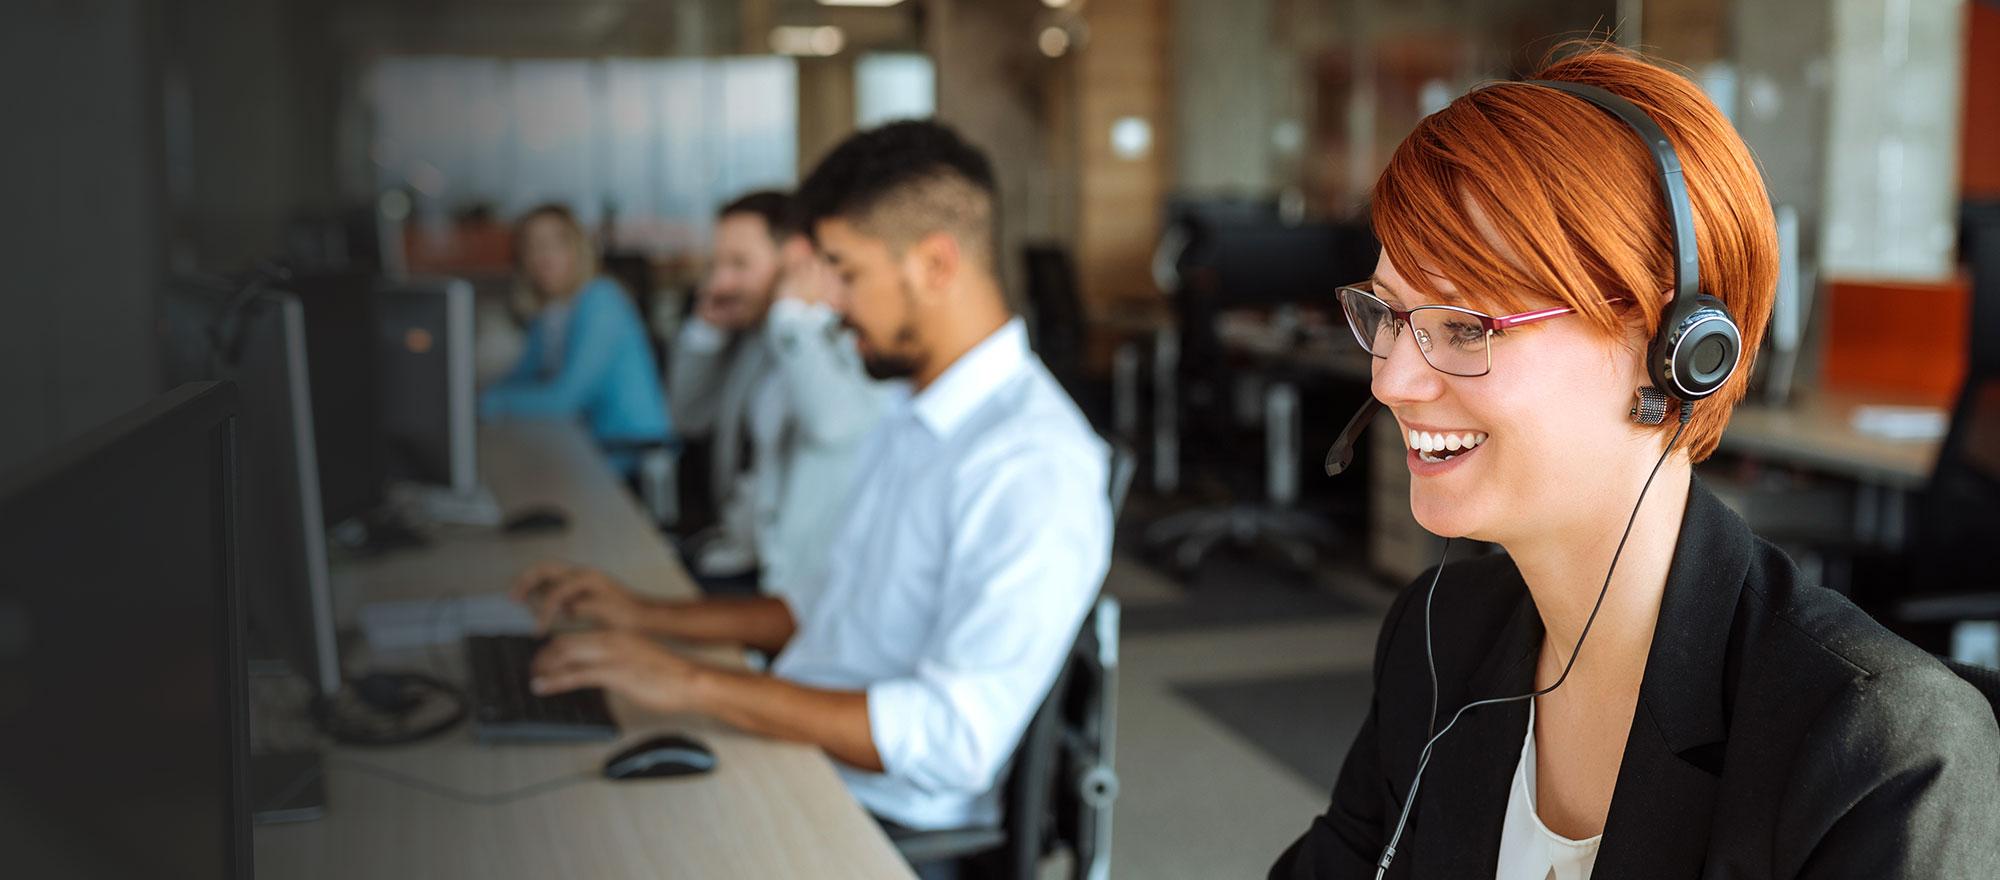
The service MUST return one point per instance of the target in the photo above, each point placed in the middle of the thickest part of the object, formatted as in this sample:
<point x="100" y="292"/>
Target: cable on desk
<point x="464" y="797"/>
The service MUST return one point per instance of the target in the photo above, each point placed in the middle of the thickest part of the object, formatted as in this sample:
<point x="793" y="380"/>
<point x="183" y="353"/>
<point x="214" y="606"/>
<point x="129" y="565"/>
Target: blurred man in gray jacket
<point x="766" y="371"/>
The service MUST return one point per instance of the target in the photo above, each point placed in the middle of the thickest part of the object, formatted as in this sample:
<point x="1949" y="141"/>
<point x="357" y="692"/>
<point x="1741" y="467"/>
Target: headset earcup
<point x="1696" y="350"/>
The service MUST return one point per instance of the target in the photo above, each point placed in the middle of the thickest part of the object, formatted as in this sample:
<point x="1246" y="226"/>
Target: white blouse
<point x="1528" y="849"/>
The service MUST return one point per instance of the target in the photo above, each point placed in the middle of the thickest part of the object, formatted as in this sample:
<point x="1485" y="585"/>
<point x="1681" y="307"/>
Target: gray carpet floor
<point x="1305" y="722"/>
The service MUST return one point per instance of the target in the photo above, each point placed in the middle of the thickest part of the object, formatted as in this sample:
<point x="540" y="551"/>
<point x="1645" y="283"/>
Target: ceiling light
<point x="1053" y="42"/>
<point x="815" y="42"/>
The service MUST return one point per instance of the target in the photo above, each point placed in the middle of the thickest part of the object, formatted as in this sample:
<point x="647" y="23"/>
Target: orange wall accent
<point x="459" y="249"/>
<point x="1979" y="155"/>
<point x="1904" y="338"/>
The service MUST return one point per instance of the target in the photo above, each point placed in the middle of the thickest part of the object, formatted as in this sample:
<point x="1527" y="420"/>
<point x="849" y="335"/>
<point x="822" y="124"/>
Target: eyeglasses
<point x="1453" y="340"/>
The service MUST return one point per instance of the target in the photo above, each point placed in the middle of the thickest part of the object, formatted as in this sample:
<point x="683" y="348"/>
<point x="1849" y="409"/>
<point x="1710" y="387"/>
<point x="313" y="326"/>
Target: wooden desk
<point x="770" y="809"/>
<point x="1816" y="432"/>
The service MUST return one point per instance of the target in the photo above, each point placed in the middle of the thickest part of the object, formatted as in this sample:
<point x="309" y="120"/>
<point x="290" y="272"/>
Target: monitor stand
<point x="287" y="787"/>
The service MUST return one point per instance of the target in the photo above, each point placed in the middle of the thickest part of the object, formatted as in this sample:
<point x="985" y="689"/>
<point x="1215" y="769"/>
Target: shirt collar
<point x="970" y="380"/>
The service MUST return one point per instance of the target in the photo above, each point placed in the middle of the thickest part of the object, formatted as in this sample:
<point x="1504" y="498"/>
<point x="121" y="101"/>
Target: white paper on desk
<point x="1900" y="422"/>
<point x="419" y="623"/>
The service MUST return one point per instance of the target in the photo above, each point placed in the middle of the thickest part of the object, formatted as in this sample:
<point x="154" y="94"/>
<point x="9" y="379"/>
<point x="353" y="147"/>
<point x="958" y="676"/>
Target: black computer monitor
<point x="1980" y="251"/>
<point x="429" y="413"/>
<point x="340" y="323"/>
<point x="1247" y="262"/>
<point x="122" y="709"/>
<point x="211" y="330"/>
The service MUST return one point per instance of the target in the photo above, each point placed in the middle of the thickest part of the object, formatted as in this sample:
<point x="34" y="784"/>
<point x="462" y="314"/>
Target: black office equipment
<point x="215" y="330"/>
<point x="428" y="411"/>
<point x="1056" y="323"/>
<point x="340" y="319"/>
<point x="212" y="330"/>
<point x="1226" y="257"/>
<point x="661" y="757"/>
<point x="539" y="520"/>
<point x="1958" y="512"/>
<point x="1979" y="250"/>
<point x="504" y="709"/>
<point x="122" y="708"/>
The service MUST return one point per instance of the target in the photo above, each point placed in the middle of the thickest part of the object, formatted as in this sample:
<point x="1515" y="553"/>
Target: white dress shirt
<point x="1528" y="849"/>
<point x="974" y="544"/>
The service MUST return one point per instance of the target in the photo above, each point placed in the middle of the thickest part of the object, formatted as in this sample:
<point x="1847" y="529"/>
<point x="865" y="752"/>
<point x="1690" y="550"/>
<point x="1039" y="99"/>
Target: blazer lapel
<point x="1463" y="800"/>
<point x="1663" y="807"/>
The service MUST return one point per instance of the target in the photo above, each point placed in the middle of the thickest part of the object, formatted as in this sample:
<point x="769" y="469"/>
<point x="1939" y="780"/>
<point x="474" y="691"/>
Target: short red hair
<point x="1575" y="200"/>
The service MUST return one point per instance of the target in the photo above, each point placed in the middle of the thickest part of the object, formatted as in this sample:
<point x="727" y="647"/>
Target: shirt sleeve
<point x="587" y="360"/>
<point x="695" y="376"/>
<point x="1030" y="543"/>
<point x="829" y="393"/>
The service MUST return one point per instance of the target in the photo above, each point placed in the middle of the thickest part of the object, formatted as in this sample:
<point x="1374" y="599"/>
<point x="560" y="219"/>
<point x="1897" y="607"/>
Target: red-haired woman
<point x="1653" y="691"/>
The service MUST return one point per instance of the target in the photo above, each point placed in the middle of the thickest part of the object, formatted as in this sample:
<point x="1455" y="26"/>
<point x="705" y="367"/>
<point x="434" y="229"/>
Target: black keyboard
<point x="503" y="709"/>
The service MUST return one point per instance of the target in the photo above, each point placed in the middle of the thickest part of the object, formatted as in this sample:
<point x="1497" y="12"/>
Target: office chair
<point x="634" y="272"/>
<point x="1056" y="312"/>
<point x="1253" y="263"/>
<point x="657" y="479"/>
<point x="1060" y="782"/>
<point x="1958" y="514"/>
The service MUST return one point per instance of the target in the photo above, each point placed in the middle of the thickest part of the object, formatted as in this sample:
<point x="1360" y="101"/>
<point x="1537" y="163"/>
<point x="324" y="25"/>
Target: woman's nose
<point x="1404" y="376"/>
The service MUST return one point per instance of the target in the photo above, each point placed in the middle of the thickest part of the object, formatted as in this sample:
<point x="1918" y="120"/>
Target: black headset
<point x="1698" y="346"/>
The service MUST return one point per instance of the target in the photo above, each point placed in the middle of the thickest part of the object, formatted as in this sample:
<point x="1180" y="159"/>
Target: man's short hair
<point x="779" y="211"/>
<point x="903" y="181"/>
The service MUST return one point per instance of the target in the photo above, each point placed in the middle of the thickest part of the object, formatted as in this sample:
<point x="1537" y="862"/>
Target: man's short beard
<point x="889" y="366"/>
<point x="904" y="361"/>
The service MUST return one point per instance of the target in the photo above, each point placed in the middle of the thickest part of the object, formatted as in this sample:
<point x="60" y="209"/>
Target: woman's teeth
<point x="1440" y="447"/>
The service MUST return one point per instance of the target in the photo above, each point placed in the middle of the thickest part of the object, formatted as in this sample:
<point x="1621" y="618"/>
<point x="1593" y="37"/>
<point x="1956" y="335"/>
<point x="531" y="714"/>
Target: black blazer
<point x="1779" y="733"/>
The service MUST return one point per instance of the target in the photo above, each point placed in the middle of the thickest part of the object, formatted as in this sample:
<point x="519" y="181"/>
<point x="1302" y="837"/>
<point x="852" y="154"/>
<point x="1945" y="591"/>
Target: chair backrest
<point x="1071" y="727"/>
<point x="1124" y="464"/>
<point x="1057" y="325"/>
<point x="1960" y="507"/>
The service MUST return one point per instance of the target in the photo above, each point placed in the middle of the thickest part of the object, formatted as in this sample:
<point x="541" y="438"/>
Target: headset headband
<point x="1687" y="260"/>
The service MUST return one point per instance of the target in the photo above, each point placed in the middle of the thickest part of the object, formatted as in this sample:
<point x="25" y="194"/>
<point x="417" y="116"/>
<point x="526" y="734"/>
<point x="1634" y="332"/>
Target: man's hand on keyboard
<point x="627" y="663"/>
<point x="556" y="590"/>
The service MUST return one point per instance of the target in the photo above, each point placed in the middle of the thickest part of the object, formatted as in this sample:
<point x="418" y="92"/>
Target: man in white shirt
<point x="765" y="371"/>
<point x="974" y="544"/>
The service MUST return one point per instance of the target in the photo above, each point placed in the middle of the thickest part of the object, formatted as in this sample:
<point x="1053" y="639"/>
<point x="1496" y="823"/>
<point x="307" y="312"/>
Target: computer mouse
<point x="659" y="758"/>
<point x="536" y="520"/>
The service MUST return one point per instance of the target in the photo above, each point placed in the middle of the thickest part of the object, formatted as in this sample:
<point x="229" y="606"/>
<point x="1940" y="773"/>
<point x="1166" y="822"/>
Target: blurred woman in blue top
<point x="587" y="357"/>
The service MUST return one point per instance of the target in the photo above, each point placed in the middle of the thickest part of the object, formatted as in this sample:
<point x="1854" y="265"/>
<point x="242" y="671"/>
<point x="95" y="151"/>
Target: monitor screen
<point x="122" y="731"/>
<point x="209" y="331"/>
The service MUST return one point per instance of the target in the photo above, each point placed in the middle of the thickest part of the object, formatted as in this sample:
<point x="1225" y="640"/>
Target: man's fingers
<point x="560" y="597"/>
<point x="532" y="578"/>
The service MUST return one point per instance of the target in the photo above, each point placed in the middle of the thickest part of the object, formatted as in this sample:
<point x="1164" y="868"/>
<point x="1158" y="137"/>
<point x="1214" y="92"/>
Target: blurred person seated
<point x="586" y="355"/>
<point x="764" y="369"/>
<point x="970" y="552"/>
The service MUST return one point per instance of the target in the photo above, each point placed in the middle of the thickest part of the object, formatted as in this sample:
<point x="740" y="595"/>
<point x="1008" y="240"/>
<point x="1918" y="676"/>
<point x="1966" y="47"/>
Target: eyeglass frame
<point x="1492" y="324"/>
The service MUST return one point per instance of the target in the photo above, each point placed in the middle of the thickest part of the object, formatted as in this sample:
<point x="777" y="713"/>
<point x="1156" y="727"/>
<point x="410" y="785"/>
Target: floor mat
<point x="1304" y="721"/>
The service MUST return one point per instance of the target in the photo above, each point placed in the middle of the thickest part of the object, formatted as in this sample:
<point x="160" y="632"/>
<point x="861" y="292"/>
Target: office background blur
<point x="148" y="139"/>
